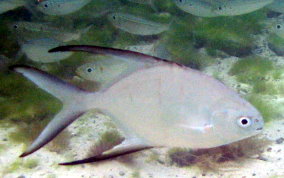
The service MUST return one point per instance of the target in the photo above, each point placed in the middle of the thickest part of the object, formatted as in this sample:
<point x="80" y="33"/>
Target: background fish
<point x="37" y="50"/>
<point x="238" y="7"/>
<point x="30" y="30"/>
<point x="147" y="2"/>
<point x="102" y="70"/>
<point x="200" y="8"/>
<point x="136" y="25"/>
<point x="7" y="5"/>
<point x="278" y="28"/>
<point x="277" y="6"/>
<point x="158" y="104"/>
<point x="61" y="7"/>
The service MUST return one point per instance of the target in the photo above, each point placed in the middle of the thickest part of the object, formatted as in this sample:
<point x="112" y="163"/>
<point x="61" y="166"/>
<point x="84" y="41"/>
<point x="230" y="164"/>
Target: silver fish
<point x="201" y="8"/>
<point x="277" y="6"/>
<point x="238" y="7"/>
<point x="278" y="28"/>
<point x="159" y="104"/>
<point x="37" y="50"/>
<point x="103" y="71"/>
<point x="61" y="7"/>
<point x="30" y="30"/>
<point x="136" y="25"/>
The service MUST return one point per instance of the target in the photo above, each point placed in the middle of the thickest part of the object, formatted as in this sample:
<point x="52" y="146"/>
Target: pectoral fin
<point x="202" y="129"/>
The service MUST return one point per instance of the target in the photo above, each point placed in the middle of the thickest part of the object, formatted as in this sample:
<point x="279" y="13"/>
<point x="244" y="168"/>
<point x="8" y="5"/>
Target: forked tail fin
<point x="71" y="96"/>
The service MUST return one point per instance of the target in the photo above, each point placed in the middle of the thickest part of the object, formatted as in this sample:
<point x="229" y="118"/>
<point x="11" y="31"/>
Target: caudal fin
<point x="51" y="84"/>
<point x="71" y="96"/>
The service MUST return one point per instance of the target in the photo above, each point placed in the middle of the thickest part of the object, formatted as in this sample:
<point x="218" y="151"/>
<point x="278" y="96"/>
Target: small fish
<point x="277" y="6"/>
<point x="201" y="8"/>
<point x="61" y="7"/>
<point x="159" y="104"/>
<point x="136" y="25"/>
<point x="30" y="30"/>
<point x="238" y="7"/>
<point x="7" y="5"/>
<point x="146" y="2"/>
<point x="278" y="28"/>
<point x="103" y="71"/>
<point x="37" y="50"/>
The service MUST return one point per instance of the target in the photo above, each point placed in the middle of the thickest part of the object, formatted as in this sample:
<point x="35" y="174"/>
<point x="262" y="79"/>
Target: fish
<point x="276" y="26"/>
<point x="136" y="25"/>
<point x="201" y="8"/>
<point x="159" y="104"/>
<point x="7" y="5"/>
<point x="277" y="6"/>
<point x="37" y="50"/>
<point x="61" y="7"/>
<point x="103" y="71"/>
<point x="29" y="30"/>
<point x="146" y="2"/>
<point x="238" y="7"/>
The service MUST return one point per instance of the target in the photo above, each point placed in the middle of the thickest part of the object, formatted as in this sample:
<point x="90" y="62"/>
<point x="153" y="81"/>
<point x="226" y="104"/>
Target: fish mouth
<point x="260" y="128"/>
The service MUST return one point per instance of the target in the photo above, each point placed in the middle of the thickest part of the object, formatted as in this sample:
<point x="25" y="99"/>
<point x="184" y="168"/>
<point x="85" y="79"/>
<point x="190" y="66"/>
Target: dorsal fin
<point x="126" y="54"/>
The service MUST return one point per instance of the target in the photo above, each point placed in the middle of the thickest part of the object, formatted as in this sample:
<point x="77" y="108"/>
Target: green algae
<point x="135" y="174"/>
<point x="275" y="40"/>
<point x="267" y="109"/>
<point x="2" y="147"/>
<point x="154" y="156"/>
<point x="22" y="164"/>
<point x="29" y="102"/>
<point x="110" y="137"/>
<point x="229" y="34"/>
<point x="265" y="79"/>
<point x="251" y="70"/>
<point x="218" y="158"/>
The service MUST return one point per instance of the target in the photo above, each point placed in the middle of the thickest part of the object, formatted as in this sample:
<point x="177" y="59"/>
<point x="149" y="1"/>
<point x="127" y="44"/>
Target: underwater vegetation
<point x="265" y="79"/>
<point x="191" y="38"/>
<point x="222" y="157"/>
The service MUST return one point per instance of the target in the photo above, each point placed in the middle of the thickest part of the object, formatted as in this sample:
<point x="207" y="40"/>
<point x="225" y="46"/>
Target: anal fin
<point x="129" y="146"/>
<point x="112" y="155"/>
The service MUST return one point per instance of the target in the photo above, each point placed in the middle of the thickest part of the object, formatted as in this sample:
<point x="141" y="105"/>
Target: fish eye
<point x="244" y="122"/>
<point x="15" y="26"/>
<point x="220" y="8"/>
<point x="180" y="0"/>
<point x="113" y="17"/>
<point x="278" y="26"/>
<point x="45" y="5"/>
<point x="90" y="69"/>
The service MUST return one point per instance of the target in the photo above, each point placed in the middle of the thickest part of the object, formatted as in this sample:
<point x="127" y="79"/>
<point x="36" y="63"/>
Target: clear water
<point x="243" y="51"/>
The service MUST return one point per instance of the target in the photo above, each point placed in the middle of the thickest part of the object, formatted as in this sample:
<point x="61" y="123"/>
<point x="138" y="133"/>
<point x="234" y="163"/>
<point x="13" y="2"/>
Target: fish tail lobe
<point x="71" y="96"/>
